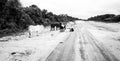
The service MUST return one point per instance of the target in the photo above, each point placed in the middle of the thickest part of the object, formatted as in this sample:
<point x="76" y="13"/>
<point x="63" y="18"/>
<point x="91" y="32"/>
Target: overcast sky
<point x="77" y="8"/>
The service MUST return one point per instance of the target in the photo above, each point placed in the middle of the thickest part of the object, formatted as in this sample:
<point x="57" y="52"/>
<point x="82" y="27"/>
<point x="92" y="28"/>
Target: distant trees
<point x="14" y="17"/>
<point x="106" y="18"/>
<point x="43" y="17"/>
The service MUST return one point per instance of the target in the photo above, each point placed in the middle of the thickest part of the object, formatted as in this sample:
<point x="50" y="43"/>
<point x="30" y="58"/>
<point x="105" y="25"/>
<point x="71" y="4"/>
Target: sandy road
<point x="64" y="51"/>
<point x="87" y="43"/>
<point x="90" y="49"/>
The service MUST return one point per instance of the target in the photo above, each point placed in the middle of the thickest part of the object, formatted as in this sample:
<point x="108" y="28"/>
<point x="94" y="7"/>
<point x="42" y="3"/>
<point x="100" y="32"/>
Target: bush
<point x="14" y="17"/>
<point x="106" y="18"/>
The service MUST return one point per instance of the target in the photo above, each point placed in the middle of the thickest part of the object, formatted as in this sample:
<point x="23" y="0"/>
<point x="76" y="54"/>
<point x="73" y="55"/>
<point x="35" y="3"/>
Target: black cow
<point x="52" y="27"/>
<point x="57" y="26"/>
<point x="71" y="30"/>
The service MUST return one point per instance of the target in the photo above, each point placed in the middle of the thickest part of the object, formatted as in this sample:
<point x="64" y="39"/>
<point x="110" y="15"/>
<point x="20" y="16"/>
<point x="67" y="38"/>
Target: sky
<point x="77" y="8"/>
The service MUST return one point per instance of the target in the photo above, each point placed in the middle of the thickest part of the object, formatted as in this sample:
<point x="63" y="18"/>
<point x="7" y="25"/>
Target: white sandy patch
<point x="31" y="49"/>
<point x="115" y="27"/>
<point x="108" y="39"/>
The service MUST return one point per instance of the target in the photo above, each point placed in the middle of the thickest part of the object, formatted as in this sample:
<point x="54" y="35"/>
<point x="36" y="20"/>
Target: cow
<point x="62" y="28"/>
<point x="34" y="29"/>
<point x="53" y="27"/>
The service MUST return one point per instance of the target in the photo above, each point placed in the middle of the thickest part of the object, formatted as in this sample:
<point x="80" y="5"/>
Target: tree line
<point x="14" y="17"/>
<point x="110" y="18"/>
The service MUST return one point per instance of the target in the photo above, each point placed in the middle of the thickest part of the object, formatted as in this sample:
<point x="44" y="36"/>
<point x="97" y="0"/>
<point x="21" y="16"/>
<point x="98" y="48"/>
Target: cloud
<point x="77" y="8"/>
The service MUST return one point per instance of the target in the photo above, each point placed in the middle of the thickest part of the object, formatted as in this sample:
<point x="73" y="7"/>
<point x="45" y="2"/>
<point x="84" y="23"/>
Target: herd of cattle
<point x="53" y="27"/>
<point x="60" y="26"/>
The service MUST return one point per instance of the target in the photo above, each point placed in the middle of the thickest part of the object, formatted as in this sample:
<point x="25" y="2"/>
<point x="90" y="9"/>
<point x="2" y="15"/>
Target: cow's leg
<point x="51" y="29"/>
<point x="37" y="33"/>
<point x="55" y="28"/>
<point x="29" y="34"/>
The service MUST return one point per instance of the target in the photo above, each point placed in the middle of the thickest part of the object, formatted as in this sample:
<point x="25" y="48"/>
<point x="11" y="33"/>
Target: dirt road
<point x="82" y="45"/>
<point x="89" y="42"/>
<point x="92" y="50"/>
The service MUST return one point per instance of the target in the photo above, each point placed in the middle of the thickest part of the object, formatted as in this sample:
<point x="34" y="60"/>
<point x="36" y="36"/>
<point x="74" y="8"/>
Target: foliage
<point x="106" y="18"/>
<point x="14" y="17"/>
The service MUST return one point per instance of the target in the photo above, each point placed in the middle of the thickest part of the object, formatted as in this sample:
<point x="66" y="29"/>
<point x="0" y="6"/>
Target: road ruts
<point x="91" y="49"/>
<point x="64" y="51"/>
<point x="108" y="56"/>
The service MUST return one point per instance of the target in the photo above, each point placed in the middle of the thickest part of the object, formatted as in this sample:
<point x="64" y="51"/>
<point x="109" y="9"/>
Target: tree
<point x="2" y="5"/>
<point x="13" y="4"/>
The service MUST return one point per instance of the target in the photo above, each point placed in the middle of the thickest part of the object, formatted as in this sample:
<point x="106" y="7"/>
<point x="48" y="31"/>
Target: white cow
<point x="35" y="29"/>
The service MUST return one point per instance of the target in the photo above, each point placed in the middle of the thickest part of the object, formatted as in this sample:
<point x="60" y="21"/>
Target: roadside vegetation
<point x="108" y="18"/>
<point x="14" y="17"/>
